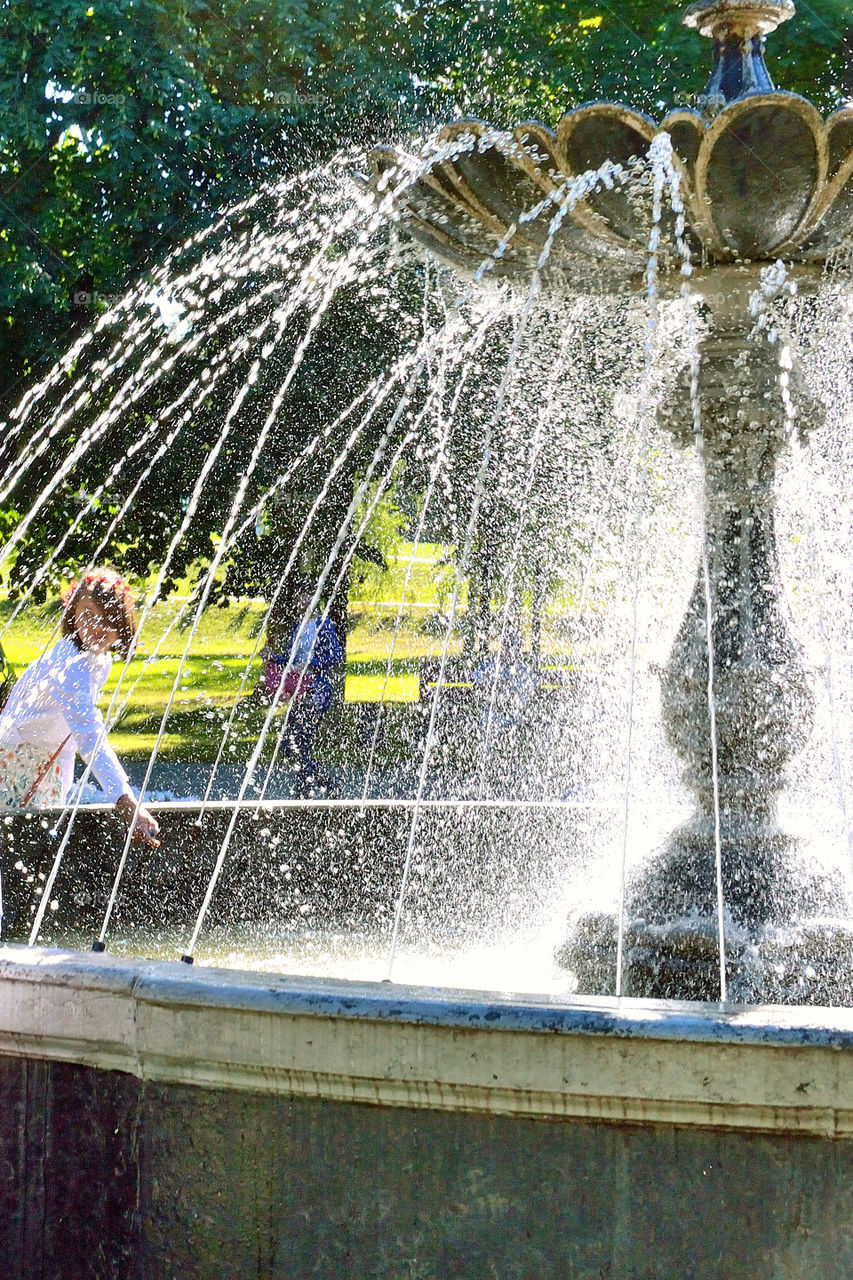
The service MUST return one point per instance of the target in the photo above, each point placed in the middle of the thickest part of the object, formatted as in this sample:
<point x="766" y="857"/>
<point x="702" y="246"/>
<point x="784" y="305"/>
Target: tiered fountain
<point x="757" y="177"/>
<point x="165" y="1120"/>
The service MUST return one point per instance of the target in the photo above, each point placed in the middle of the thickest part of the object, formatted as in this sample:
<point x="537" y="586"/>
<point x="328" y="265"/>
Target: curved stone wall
<point x="158" y="1121"/>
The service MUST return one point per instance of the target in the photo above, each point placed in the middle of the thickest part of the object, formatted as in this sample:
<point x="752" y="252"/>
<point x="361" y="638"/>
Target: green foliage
<point x="128" y="123"/>
<point x="509" y="60"/>
<point x="152" y="453"/>
<point x="384" y="523"/>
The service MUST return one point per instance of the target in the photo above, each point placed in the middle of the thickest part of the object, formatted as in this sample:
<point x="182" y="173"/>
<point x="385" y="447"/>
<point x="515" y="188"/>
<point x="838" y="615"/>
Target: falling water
<point x="516" y="412"/>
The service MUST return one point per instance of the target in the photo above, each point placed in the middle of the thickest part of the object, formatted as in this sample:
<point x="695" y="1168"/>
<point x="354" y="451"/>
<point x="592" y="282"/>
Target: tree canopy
<point x="131" y="123"/>
<point x="128" y="123"/>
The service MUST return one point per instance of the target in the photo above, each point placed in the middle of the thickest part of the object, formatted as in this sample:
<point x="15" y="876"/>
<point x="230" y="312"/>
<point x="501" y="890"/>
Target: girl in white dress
<point x="52" y="711"/>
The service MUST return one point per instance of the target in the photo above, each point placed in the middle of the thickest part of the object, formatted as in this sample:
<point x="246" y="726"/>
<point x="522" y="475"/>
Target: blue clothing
<point x="324" y="653"/>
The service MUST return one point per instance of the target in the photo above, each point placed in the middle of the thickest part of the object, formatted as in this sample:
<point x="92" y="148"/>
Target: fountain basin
<point x="288" y="861"/>
<point x="232" y="1125"/>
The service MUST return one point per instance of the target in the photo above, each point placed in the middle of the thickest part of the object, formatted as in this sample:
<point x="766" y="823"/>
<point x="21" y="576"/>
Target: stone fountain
<point x="160" y="1119"/>
<point x="759" y="177"/>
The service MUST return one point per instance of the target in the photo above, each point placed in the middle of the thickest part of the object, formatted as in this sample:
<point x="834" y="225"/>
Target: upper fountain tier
<point x="762" y="175"/>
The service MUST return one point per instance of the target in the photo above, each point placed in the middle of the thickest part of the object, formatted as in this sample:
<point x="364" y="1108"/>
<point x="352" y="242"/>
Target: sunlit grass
<point x="219" y="660"/>
<point x="403" y="688"/>
<point x="219" y="663"/>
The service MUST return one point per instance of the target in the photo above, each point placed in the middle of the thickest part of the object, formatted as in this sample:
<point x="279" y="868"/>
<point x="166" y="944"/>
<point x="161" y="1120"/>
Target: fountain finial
<point x="738" y="19"/>
<point x="738" y="28"/>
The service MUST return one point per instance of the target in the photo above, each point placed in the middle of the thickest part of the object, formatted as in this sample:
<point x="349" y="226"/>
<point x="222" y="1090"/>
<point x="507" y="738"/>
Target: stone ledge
<point x="630" y="1061"/>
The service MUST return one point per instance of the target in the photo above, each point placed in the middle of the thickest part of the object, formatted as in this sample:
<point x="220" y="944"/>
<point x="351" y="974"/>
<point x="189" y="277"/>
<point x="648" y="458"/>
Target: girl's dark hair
<point x="113" y="597"/>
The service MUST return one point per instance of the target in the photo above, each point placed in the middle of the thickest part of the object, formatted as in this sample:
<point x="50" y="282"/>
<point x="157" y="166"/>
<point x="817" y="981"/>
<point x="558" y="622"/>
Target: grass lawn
<point x="215" y="665"/>
<point x="222" y="649"/>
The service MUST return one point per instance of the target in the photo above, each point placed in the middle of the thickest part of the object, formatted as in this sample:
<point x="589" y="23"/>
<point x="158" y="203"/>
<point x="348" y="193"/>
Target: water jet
<point x="761" y="182"/>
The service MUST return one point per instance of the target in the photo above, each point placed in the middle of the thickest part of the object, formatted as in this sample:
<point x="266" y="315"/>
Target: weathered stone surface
<point x="109" y="1178"/>
<point x="266" y="1128"/>
<point x="70" y="1172"/>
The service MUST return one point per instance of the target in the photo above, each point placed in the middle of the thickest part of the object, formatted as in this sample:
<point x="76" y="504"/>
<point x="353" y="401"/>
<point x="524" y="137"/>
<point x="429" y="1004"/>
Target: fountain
<point x="265" y="1124"/>
<point x="763" y="180"/>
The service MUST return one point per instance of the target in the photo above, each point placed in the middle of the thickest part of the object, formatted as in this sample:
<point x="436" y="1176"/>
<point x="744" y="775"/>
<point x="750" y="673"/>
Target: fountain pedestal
<point x="773" y="892"/>
<point x="761" y="179"/>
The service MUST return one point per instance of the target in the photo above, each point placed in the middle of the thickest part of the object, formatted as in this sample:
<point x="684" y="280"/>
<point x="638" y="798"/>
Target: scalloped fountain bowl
<point x="766" y="178"/>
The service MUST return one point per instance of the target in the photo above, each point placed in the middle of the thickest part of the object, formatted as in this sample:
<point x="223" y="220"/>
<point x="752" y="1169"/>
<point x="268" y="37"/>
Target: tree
<point x="129" y="124"/>
<point x="132" y="125"/>
<point x="513" y="60"/>
<point x="223" y="380"/>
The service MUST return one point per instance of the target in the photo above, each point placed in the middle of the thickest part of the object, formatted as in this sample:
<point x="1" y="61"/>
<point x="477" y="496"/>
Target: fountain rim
<point x="696" y="1022"/>
<point x="764" y="1068"/>
<point x="347" y="803"/>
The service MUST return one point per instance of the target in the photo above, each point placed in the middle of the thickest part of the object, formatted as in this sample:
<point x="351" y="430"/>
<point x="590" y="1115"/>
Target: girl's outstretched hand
<point x="145" y="828"/>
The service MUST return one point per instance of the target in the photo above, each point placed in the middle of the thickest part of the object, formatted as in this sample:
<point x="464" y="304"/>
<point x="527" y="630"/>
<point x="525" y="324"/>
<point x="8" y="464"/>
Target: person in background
<point x="52" y="713"/>
<point x="278" y="628"/>
<point x="310" y="652"/>
<point x="505" y="684"/>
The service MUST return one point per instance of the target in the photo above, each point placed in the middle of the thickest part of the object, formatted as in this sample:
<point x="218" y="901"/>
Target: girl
<point x="52" y="709"/>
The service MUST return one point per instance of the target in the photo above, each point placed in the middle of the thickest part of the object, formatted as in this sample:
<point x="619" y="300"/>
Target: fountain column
<point x="763" y="702"/>
<point x="784" y="915"/>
